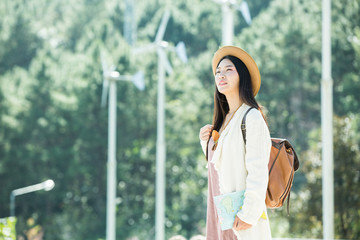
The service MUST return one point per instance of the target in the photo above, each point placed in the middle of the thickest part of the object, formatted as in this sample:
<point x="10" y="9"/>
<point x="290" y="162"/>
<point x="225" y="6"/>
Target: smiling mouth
<point x="222" y="83"/>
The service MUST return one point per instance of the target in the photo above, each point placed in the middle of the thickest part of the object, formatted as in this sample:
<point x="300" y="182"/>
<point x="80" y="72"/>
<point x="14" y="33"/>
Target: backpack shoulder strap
<point x="243" y="125"/>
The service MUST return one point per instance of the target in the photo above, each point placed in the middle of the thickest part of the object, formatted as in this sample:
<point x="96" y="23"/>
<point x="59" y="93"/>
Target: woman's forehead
<point x="225" y="63"/>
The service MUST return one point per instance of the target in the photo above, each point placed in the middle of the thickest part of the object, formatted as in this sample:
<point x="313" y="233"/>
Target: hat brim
<point x="245" y="58"/>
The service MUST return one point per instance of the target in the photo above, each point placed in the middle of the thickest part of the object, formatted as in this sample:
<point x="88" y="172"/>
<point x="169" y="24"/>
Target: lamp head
<point x="48" y="185"/>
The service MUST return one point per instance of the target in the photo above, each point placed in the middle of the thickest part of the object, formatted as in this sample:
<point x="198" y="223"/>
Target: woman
<point x="232" y="164"/>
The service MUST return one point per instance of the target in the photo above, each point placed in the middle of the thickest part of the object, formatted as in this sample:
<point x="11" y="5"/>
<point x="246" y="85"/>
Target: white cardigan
<point x="241" y="168"/>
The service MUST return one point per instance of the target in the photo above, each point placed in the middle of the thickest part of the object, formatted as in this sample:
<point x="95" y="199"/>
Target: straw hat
<point x="245" y="58"/>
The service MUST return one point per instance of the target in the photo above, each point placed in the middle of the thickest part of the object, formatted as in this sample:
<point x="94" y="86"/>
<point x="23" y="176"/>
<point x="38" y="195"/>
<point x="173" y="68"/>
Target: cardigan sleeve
<point x="203" y="146"/>
<point x="258" y="147"/>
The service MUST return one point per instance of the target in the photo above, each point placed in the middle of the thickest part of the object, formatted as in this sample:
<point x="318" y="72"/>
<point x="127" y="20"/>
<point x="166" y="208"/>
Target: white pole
<point x="111" y="166"/>
<point x="327" y="125"/>
<point x="227" y="24"/>
<point x="160" y="153"/>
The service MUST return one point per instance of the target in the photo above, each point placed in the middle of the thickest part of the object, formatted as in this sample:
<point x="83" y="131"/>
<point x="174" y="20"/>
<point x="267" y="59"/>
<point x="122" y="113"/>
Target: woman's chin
<point x="223" y="90"/>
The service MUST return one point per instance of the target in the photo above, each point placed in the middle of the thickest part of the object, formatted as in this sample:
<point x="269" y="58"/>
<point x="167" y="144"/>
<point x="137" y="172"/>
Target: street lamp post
<point x="46" y="185"/>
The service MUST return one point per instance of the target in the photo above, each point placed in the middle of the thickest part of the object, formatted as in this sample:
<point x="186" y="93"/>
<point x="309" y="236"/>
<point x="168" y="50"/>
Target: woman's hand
<point x="205" y="132"/>
<point x="240" y="225"/>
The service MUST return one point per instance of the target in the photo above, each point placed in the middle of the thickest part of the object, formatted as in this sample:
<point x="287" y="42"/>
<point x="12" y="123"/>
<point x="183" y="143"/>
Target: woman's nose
<point x="221" y="75"/>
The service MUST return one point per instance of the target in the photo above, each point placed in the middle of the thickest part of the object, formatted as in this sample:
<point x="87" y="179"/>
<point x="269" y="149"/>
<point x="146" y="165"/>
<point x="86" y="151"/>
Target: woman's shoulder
<point x="253" y="113"/>
<point x="254" y="116"/>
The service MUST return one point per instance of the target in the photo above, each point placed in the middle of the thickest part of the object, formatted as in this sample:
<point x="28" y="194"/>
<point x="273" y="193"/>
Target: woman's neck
<point x="234" y="102"/>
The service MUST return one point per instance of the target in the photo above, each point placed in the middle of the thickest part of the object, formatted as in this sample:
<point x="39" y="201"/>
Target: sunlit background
<point x="53" y="125"/>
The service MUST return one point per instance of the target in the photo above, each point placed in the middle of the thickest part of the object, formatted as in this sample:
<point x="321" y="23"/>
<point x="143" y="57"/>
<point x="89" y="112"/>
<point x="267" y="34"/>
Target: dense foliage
<point x="52" y="124"/>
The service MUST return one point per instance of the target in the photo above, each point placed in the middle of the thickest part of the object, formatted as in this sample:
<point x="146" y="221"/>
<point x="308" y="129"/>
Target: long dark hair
<point x="246" y="93"/>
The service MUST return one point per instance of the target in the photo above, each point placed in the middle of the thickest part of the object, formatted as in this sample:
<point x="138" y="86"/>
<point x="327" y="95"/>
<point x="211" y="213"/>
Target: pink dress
<point x="213" y="229"/>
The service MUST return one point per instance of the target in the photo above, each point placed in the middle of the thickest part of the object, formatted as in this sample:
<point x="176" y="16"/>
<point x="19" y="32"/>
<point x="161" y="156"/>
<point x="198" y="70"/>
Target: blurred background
<point x="52" y="125"/>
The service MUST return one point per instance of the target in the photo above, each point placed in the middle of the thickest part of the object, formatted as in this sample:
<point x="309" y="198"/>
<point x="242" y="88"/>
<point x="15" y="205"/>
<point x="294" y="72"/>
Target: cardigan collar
<point x="218" y="151"/>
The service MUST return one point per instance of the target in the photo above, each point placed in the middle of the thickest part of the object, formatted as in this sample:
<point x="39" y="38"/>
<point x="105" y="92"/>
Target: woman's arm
<point x="258" y="146"/>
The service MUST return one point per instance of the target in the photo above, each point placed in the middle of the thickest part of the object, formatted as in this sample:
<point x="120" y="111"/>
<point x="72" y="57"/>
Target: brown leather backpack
<point x="282" y="165"/>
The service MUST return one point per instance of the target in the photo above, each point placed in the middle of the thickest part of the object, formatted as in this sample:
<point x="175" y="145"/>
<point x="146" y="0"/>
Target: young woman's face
<point x="227" y="78"/>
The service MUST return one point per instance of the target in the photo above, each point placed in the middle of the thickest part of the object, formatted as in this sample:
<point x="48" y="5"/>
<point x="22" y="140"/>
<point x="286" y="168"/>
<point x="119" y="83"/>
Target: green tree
<point x="346" y="180"/>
